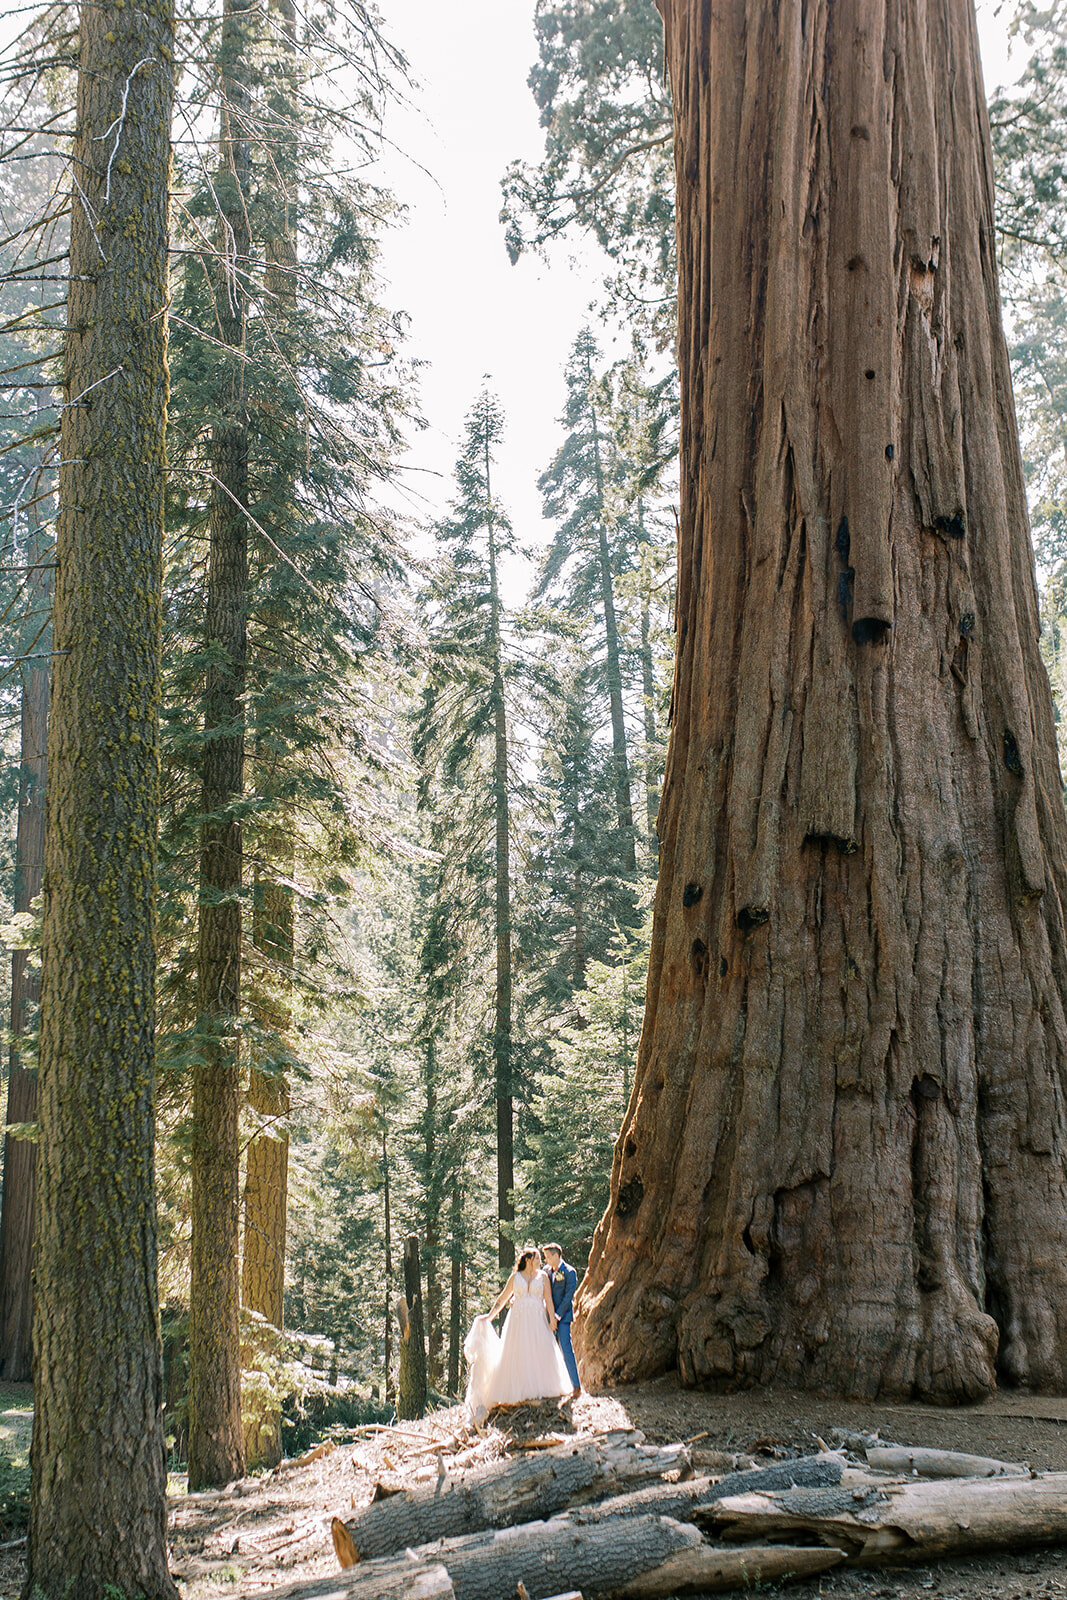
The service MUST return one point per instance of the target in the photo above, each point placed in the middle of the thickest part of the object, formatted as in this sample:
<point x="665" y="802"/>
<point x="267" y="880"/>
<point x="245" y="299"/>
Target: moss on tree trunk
<point x="98" y="1514"/>
<point x="843" y="1165"/>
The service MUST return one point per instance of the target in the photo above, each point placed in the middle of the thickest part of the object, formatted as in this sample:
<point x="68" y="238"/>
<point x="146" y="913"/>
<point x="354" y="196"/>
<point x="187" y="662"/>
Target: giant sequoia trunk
<point x="843" y="1164"/>
<point x="98" y="1508"/>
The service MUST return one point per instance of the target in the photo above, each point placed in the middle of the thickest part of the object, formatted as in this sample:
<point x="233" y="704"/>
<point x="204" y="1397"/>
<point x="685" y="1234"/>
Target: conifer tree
<point x="280" y="428"/>
<point x="463" y="731"/>
<point x="603" y="101"/>
<point x="580" y="1099"/>
<point x="820" y="1110"/>
<point x="581" y="568"/>
<point x="98" y="1507"/>
<point x="216" y="1441"/>
<point x="575" y="891"/>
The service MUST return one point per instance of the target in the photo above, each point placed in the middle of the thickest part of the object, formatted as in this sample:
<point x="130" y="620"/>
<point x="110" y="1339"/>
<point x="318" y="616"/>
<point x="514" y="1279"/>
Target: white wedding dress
<point x="524" y="1363"/>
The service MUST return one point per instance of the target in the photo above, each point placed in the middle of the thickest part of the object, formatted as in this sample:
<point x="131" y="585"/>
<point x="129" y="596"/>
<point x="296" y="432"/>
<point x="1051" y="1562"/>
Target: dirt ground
<point x="269" y="1531"/>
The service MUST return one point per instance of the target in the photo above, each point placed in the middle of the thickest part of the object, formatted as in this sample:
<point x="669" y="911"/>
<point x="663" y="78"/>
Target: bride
<point x="524" y="1363"/>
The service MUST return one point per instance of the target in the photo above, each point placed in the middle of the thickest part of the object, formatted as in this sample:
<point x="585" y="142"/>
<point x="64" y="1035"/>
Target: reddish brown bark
<point x="16" y="1227"/>
<point x="843" y="1164"/>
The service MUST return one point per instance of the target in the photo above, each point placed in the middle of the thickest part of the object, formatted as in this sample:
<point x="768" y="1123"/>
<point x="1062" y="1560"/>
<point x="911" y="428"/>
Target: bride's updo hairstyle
<point x="528" y="1251"/>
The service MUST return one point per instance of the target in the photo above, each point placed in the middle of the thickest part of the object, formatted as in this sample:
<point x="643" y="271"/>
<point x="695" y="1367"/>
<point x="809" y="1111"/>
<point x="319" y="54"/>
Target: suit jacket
<point x="563" y="1292"/>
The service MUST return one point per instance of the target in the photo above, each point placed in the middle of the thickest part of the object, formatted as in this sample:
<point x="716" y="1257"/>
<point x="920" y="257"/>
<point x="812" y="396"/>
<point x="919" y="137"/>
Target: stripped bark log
<point x="940" y="1463"/>
<point x="506" y="1493"/>
<point x="913" y="1522"/>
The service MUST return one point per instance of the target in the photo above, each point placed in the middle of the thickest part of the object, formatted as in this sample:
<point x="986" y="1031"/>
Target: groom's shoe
<point x="576" y="1394"/>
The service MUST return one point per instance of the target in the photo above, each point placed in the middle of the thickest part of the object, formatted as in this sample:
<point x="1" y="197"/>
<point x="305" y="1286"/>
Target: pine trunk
<point x="505" y="1107"/>
<point x="266" y="1192"/>
<point x="98" y="1508"/>
<point x="623" y="803"/>
<point x="432" y="1229"/>
<point x="20" y="1155"/>
<point x="455" y="1309"/>
<point x="216" y="1444"/>
<point x="648" y="697"/>
<point x="387" y="1388"/>
<point x="267" y="1162"/>
<point x="843" y="1165"/>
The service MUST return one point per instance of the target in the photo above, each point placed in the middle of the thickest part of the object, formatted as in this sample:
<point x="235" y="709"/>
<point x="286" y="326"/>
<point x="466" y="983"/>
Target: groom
<point x="564" y="1281"/>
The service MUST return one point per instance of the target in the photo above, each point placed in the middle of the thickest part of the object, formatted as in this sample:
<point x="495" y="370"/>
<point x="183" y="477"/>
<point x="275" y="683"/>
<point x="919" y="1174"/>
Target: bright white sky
<point x="472" y="313"/>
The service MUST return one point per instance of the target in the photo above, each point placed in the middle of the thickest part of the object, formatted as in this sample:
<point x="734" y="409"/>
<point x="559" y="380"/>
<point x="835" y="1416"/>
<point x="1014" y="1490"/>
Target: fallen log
<point x="706" y="1570"/>
<point x="681" y="1499"/>
<point x="925" y="1463"/>
<point x="393" y="1580"/>
<point x="599" y="1560"/>
<point x="504" y="1493"/>
<point x="896" y="1524"/>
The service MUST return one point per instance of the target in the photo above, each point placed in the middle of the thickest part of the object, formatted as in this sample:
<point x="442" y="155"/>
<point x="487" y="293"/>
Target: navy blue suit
<point x="564" y="1281"/>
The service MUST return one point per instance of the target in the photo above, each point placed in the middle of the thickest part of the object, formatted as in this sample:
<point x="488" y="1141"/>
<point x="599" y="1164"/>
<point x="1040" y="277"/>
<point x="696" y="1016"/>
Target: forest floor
<point x="269" y="1531"/>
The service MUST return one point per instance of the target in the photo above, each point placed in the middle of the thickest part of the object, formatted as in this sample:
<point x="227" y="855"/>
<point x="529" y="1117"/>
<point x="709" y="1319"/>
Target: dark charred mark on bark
<point x="869" y="374"/>
<point x="843" y="542"/>
<point x="699" y="958"/>
<point x="844" y="589"/>
<point x="845" y="844"/>
<point x="870" y="630"/>
<point x="750" y="917"/>
<point x="1011" y="754"/>
<point x="630" y="1149"/>
<point x="967" y="625"/>
<point x="889" y="452"/>
<point x="723" y="967"/>
<point x="746" y="1240"/>
<point x="854" y="263"/>
<point x="953" y="527"/>
<point x="859" y="130"/>
<point x="692" y="894"/>
<point x="631" y="1193"/>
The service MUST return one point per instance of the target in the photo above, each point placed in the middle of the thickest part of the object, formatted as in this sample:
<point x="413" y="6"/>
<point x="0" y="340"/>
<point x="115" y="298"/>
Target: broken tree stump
<point x="890" y="1524"/>
<point x="504" y="1493"/>
<point x="411" y="1383"/>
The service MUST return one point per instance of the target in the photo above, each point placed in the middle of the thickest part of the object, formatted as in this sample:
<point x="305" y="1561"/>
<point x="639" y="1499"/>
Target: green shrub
<point x="14" y="1496"/>
<point x="327" y="1411"/>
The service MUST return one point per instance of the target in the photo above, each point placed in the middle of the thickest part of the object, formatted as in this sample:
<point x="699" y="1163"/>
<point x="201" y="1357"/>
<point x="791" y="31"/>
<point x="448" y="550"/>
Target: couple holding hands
<point x="533" y="1358"/>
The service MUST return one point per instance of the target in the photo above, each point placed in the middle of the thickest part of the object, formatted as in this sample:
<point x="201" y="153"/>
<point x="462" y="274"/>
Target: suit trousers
<point x="563" y="1334"/>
